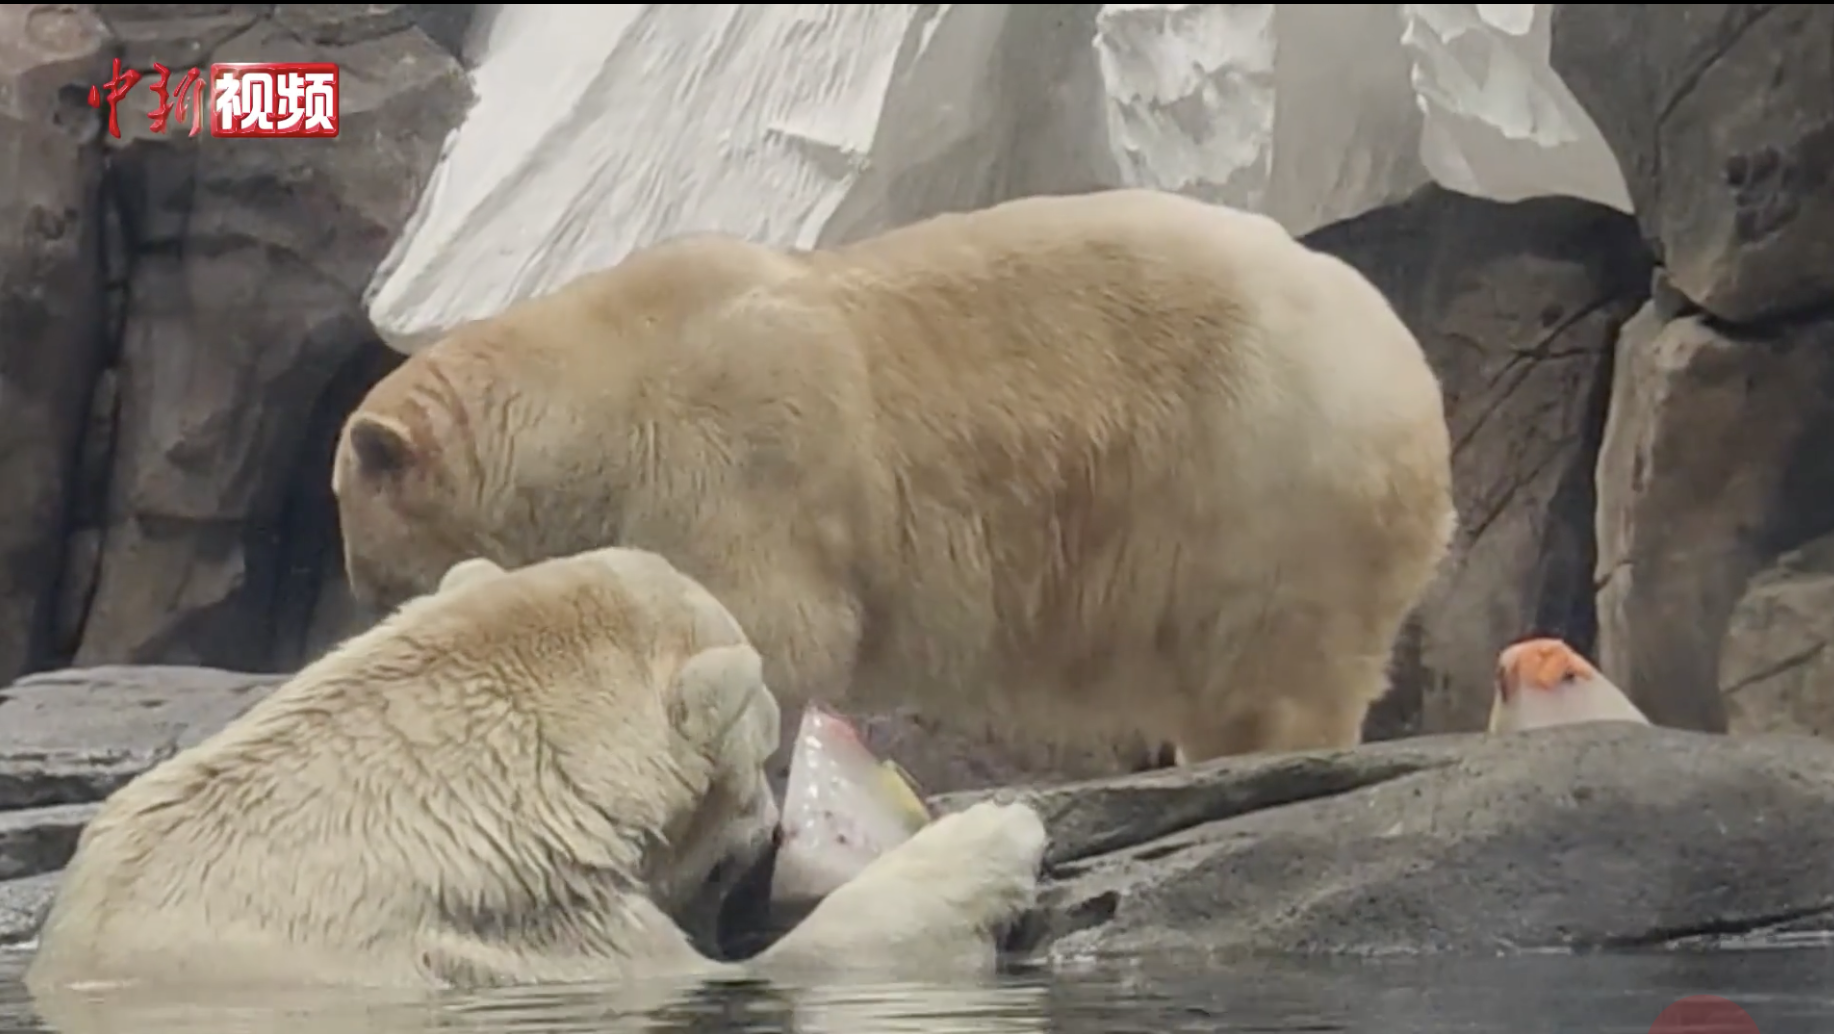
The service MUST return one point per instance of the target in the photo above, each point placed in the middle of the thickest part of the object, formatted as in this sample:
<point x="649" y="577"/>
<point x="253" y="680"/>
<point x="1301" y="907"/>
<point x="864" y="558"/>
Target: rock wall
<point x="1638" y="402"/>
<point x="181" y="327"/>
<point x="1716" y="471"/>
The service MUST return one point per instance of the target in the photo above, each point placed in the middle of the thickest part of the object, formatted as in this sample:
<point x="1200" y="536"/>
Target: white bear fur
<point x="1067" y="469"/>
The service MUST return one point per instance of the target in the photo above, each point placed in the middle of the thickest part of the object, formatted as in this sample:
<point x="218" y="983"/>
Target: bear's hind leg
<point x="1275" y="727"/>
<point x="1308" y="701"/>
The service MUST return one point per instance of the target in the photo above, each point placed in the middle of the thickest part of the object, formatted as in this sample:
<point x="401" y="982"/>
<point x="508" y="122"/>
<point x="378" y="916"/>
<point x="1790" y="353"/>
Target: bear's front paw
<point x="938" y="900"/>
<point x="997" y="850"/>
<point x="1010" y="837"/>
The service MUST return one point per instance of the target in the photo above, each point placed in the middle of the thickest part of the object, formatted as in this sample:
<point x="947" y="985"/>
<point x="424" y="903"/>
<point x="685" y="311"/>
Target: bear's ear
<point x="715" y="691"/>
<point x="382" y="446"/>
<point x="465" y="572"/>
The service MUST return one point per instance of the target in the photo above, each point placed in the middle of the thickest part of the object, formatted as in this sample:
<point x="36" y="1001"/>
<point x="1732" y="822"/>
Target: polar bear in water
<point x="529" y="776"/>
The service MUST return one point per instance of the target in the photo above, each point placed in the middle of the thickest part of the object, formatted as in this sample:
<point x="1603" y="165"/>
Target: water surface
<point x="1786" y="991"/>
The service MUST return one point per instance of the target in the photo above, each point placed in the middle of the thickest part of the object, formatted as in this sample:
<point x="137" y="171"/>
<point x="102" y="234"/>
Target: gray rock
<point x="1774" y="667"/>
<point x="37" y="841"/>
<point x="31" y="778"/>
<point x="35" y="845"/>
<point x="70" y="738"/>
<point x="123" y="711"/>
<point x="1585" y="836"/>
<point x="1711" y="478"/>
<point x="1715" y="458"/>
<point x="1718" y="115"/>
<point x="240" y="340"/>
<point x="23" y="903"/>
<point x="51" y="328"/>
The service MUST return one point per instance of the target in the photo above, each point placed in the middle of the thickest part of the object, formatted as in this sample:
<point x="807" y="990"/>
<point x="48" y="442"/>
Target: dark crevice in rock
<point x="1060" y="918"/>
<point x="1566" y="603"/>
<point x="449" y="25"/>
<point x="1774" y="668"/>
<point x="1804" y="508"/>
<point x="41" y="840"/>
<point x="1741" y="19"/>
<point x="1401" y="712"/>
<point x="44" y="779"/>
<point x="1521" y="364"/>
<point x="311" y="605"/>
<point x="86" y="521"/>
<point x="1771" y="329"/>
<point x="284" y="539"/>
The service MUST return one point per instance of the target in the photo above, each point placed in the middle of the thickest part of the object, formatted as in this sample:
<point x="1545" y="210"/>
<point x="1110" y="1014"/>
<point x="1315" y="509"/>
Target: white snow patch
<point x="599" y="129"/>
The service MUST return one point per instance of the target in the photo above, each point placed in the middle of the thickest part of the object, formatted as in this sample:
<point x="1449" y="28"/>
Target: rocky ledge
<point x="1574" y="838"/>
<point x="1583" y="837"/>
<point x="68" y="739"/>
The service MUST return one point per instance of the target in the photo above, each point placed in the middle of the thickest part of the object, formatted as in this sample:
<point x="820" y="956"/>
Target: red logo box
<point x="274" y="99"/>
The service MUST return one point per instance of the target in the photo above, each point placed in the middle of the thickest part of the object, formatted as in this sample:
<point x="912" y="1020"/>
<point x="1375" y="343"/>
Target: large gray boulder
<point x="1718" y="115"/>
<point x="70" y="738"/>
<point x="1578" y="837"/>
<point x="1712" y="515"/>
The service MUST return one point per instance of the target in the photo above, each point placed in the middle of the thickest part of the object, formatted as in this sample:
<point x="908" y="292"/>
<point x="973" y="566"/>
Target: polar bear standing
<point x="1059" y="469"/>
<point x="527" y="777"/>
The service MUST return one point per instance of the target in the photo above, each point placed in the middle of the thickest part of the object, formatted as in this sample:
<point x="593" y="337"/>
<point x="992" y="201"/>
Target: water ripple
<point x="1785" y="988"/>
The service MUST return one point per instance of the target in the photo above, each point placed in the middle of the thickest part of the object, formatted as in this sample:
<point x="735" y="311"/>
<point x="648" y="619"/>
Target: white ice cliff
<point x="598" y="129"/>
